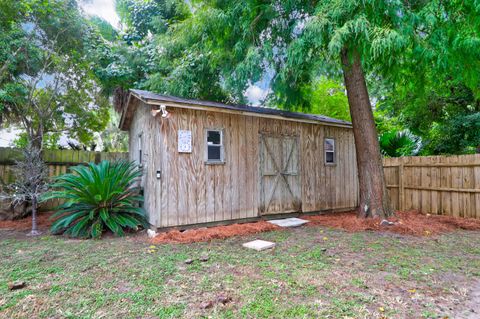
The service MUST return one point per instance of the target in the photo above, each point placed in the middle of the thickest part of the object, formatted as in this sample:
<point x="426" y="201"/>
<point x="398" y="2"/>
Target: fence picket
<point x="444" y="185"/>
<point x="58" y="162"/>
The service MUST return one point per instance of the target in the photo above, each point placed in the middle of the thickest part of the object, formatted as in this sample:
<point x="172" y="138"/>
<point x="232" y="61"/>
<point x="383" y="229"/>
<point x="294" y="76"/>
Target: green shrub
<point x="396" y="143"/>
<point x="97" y="197"/>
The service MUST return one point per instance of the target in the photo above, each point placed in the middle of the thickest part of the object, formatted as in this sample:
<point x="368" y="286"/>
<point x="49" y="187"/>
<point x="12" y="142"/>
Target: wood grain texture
<point x="182" y="177"/>
<point x="444" y="185"/>
<point x="209" y="122"/>
<point x="191" y="191"/>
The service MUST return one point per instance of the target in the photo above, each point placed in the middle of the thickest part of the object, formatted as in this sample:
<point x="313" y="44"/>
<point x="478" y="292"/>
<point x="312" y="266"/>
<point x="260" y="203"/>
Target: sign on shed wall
<point x="184" y="141"/>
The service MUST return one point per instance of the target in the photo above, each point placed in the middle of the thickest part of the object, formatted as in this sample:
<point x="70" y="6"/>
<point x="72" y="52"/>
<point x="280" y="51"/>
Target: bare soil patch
<point x="43" y="220"/>
<point x="217" y="232"/>
<point x="405" y="223"/>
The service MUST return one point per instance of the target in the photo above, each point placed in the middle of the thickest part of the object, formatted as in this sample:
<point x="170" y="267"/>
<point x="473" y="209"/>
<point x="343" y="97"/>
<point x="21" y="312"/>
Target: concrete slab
<point x="259" y="245"/>
<point x="288" y="222"/>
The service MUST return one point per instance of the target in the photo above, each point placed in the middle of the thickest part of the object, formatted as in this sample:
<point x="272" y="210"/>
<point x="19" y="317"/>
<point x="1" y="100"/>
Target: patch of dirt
<point x="43" y="220"/>
<point x="217" y="232"/>
<point x="472" y="308"/>
<point x="405" y="223"/>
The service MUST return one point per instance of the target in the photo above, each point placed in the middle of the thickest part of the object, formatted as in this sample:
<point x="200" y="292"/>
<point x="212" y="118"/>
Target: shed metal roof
<point x="156" y="99"/>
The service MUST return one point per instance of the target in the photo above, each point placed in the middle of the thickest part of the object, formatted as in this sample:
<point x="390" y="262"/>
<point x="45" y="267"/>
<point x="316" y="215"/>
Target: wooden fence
<point x="443" y="185"/>
<point x="58" y="162"/>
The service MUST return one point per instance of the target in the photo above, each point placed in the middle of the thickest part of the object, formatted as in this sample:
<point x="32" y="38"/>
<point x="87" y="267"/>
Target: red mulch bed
<point x="43" y="220"/>
<point x="407" y="223"/>
<point x="217" y="232"/>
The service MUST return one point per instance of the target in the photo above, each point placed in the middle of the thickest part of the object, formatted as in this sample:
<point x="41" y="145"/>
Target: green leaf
<point x="105" y="189"/>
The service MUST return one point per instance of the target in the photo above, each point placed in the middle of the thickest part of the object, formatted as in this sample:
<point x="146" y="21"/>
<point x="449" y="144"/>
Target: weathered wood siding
<point x="280" y="175"/>
<point x="327" y="187"/>
<point x="192" y="192"/>
<point x="145" y="134"/>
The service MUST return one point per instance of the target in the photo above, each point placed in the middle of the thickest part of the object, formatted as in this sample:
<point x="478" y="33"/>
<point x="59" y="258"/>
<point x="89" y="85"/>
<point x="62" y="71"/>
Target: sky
<point x="102" y="8"/>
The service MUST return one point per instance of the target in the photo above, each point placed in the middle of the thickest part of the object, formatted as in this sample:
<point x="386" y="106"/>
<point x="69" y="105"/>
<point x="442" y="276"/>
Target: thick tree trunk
<point x="374" y="200"/>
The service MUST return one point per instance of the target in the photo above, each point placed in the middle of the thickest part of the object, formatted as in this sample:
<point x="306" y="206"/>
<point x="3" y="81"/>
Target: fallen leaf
<point x="325" y="238"/>
<point x="412" y="291"/>
<point x="381" y="309"/>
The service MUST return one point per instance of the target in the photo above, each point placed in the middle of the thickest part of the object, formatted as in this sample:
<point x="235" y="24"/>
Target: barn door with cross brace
<point x="279" y="174"/>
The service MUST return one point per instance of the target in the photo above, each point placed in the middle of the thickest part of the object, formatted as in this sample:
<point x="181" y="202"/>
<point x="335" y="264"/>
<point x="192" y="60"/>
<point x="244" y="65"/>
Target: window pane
<point x="214" y="153"/>
<point x="213" y="137"/>
<point x="329" y="157"/>
<point x="329" y="145"/>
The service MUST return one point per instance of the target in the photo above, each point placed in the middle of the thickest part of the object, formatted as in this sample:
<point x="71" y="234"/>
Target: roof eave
<point x="122" y="125"/>
<point x="246" y="112"/>
<point x="124" y="121"/>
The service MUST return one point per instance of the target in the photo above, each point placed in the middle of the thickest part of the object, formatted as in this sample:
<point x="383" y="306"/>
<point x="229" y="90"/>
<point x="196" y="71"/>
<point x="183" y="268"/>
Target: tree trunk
<point x="36" y="139"/>
<point x="34" y="231"/>
<point x="374" y="200"/>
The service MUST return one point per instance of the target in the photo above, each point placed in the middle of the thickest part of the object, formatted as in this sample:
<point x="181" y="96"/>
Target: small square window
<point x="329" y="147"/>
<point x="214" y="150"/>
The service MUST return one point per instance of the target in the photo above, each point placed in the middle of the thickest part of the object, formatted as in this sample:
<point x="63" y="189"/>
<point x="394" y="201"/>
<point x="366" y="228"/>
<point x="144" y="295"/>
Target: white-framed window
<point x="329" y="147"/>
<point x="214" y="152"/>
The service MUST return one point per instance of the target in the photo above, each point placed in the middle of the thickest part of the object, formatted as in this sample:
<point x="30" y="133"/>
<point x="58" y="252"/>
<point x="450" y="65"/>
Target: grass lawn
<point x="313" y="272"/>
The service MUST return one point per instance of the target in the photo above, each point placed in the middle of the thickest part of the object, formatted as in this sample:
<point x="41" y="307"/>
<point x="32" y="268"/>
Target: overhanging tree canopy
<point x="217" y="49"/>
<point x="46" y="85"/>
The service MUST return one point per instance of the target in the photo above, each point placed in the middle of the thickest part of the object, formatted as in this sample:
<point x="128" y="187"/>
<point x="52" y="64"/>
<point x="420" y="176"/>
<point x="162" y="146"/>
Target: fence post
<point x="401" y="188"/>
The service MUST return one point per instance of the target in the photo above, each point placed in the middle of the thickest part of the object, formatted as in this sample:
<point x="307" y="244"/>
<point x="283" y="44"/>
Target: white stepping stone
<point x="259" y="245"/>
<point x="288" y="222"/>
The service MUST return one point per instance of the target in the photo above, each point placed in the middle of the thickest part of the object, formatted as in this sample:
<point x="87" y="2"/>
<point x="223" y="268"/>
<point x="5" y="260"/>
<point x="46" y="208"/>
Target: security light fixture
<point x="162" y="109"/>
<point x="165" y="113"/>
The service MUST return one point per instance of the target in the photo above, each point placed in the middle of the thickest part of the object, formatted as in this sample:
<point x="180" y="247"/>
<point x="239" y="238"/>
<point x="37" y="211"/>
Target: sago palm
<point x="399" y="143"/>
<point x="98" y="197"/>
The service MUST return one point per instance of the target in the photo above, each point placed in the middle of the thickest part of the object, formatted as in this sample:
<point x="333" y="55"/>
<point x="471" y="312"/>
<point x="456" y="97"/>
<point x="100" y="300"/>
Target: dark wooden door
<point x="280" y="185"/>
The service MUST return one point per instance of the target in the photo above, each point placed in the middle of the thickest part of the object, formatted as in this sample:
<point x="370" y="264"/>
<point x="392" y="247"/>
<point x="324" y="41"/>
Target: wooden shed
<point x="207" y="162"/>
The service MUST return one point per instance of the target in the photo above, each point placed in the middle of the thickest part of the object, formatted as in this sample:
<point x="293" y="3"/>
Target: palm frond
<point x="98" y="197"/>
